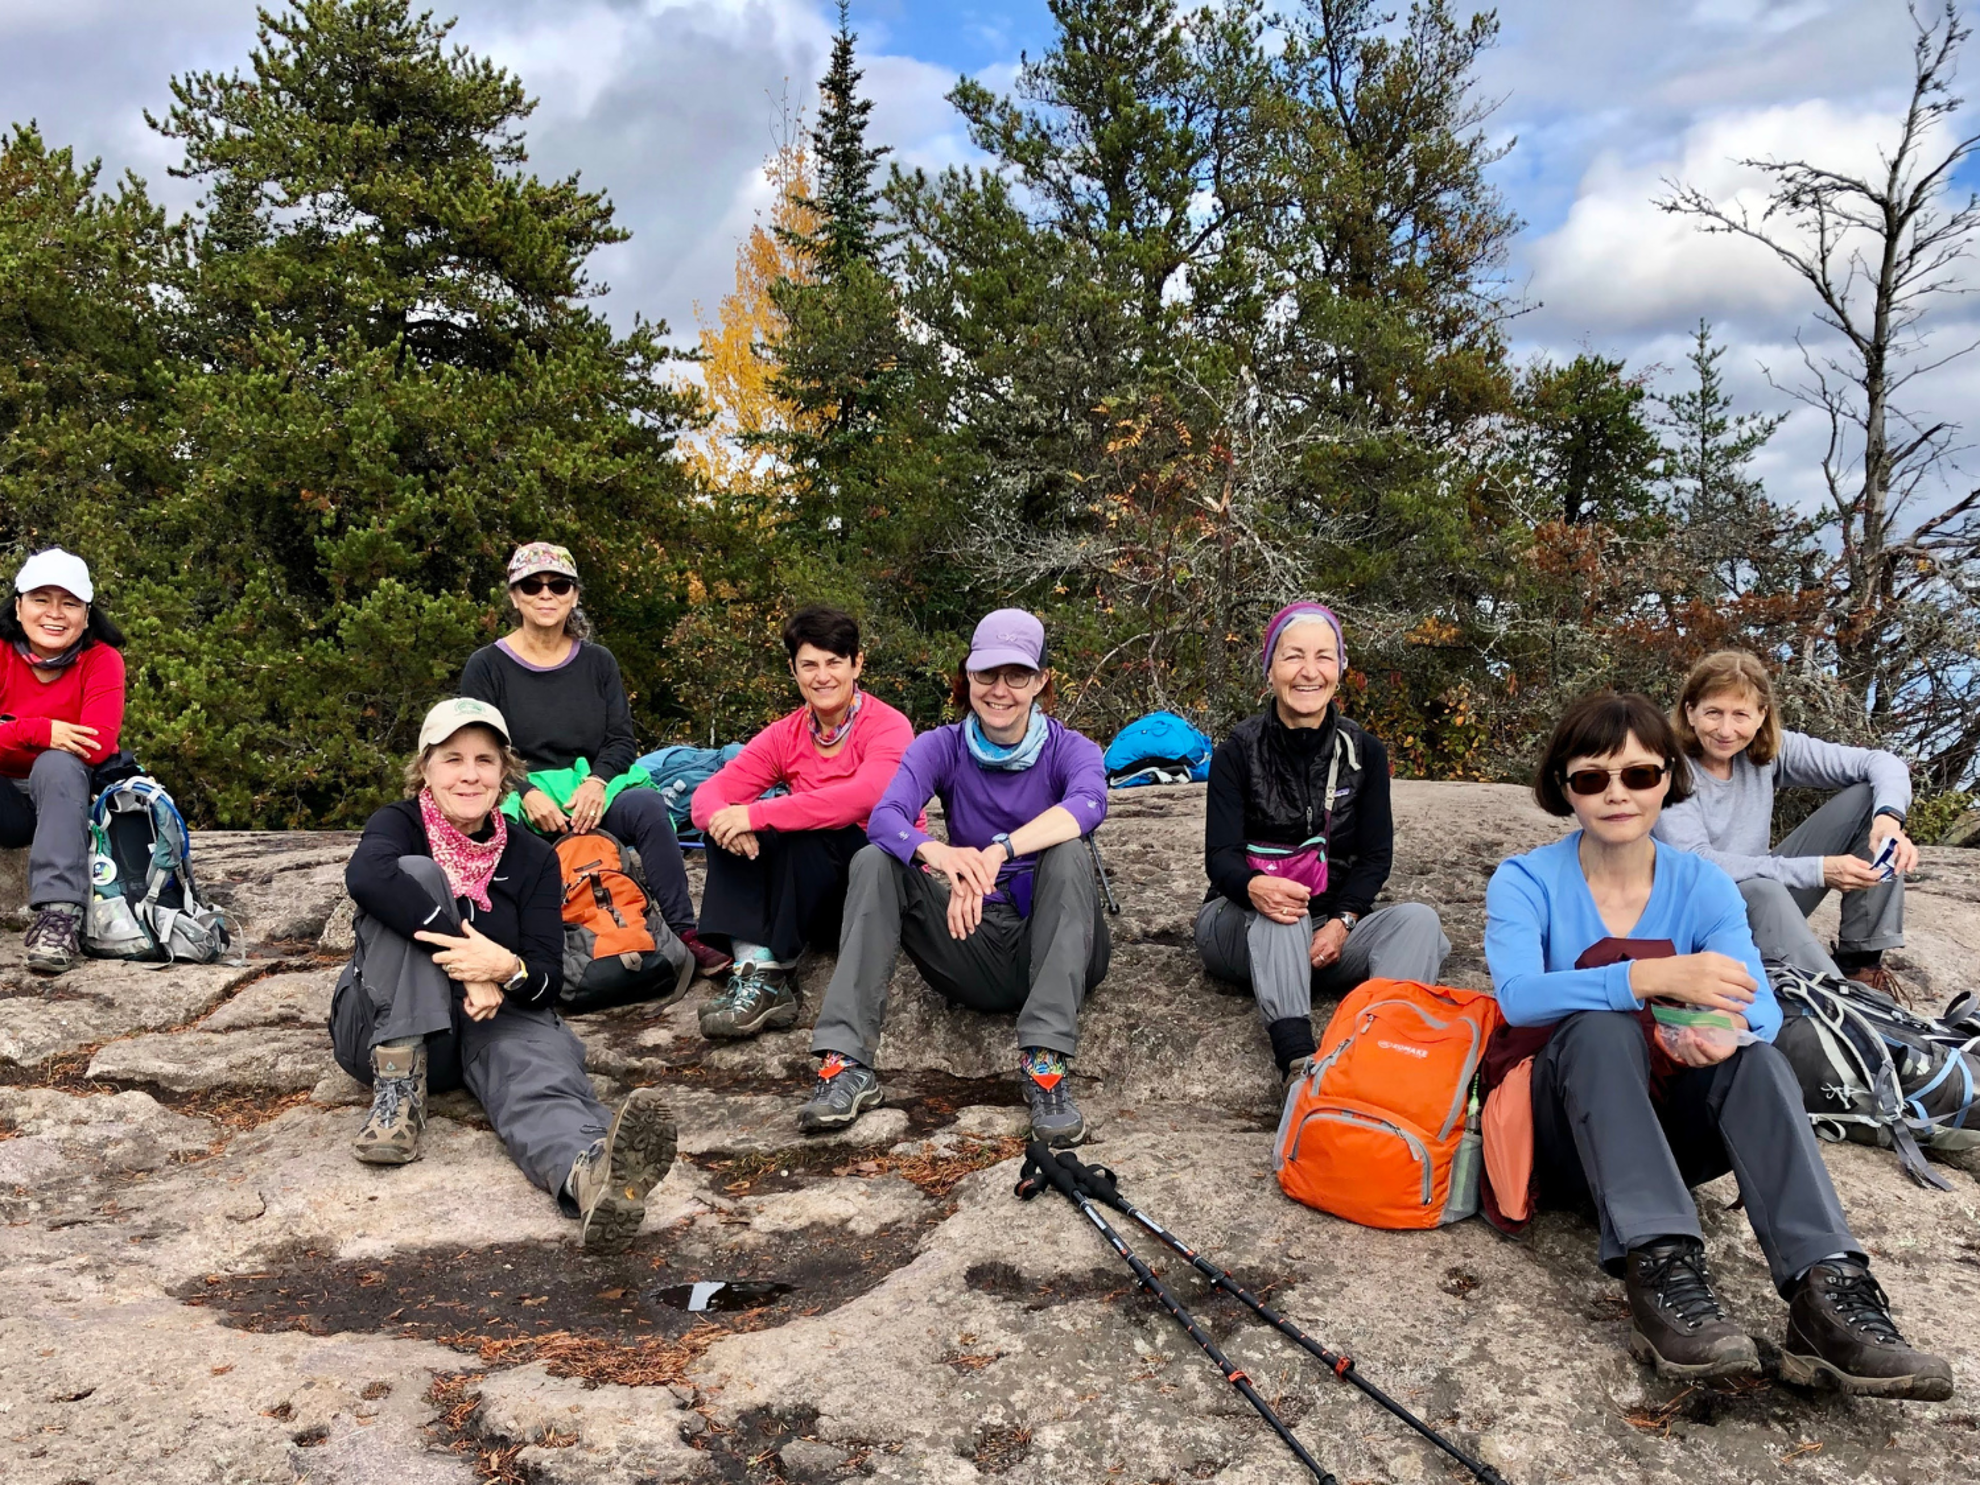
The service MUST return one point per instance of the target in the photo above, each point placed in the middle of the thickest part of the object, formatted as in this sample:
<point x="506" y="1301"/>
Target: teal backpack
<point x="143" y="904"/>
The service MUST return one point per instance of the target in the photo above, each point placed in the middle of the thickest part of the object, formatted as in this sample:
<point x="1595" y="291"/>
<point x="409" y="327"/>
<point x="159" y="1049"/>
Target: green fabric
<point x="561" y="783"/>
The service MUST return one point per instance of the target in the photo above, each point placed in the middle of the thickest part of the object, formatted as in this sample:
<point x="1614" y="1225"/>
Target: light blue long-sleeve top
<point x="1730" y="821"/>
<point x="1540" y="918"/>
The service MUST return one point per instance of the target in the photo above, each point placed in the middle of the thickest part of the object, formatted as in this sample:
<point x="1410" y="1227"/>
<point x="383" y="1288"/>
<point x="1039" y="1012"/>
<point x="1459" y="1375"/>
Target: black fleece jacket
<point x="1264" y="775"/>
<point x="555" y="717"/>
<point x="525" y="900"/>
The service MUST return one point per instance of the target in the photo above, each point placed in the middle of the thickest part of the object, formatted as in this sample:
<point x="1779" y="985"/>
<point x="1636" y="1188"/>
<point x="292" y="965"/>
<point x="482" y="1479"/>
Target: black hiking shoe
<point x="846" y="1089"/>
<point x="1055" y="1118"/>
<point x="1840" y="1334"/>
<point x="757" y="998"/>
<point x="53" y="941"/>
<point x="1678" y="1325"/>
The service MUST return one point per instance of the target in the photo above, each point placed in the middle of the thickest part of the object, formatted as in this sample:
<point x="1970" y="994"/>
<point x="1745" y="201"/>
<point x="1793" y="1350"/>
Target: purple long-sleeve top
<point x="983" y="803"/>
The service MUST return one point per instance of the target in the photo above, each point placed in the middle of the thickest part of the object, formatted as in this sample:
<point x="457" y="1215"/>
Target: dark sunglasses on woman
<point x="1638" y="776"/>
<point x="535" y="584"/>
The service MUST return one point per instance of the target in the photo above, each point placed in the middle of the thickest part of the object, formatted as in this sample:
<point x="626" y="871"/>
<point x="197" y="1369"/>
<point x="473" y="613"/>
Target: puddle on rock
<point x="722" y="1294"/>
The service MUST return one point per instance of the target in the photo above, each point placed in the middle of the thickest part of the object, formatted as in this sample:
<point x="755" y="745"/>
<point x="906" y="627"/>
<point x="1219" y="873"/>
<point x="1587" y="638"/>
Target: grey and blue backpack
<point x="143" y="903"/>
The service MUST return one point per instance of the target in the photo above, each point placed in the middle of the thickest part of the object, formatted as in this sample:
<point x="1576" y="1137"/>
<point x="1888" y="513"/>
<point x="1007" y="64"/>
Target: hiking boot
<point x="1884" y="981"/>
<point x="1840" y="1334"/>
<point x="1678" y="1325"/>
<point x="1300" y="1067"/>
<point x="610" y="1180"/>
<point x="1055" y="1118"/>
<point x="398" y="1107"/>
<point x="846" y="1089"/>
<point x="54" y="940"/>
<point x="757" y="998"/>
<point x="708" y="960"/>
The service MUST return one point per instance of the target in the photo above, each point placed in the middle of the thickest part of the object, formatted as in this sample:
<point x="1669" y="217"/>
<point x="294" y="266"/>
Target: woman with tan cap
<point x="61" y="708"/>
<point x="572" y="723"/>
<point x="454" y="982"/>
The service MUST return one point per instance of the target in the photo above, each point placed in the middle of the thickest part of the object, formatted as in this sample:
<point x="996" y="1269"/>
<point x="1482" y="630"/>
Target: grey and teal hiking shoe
<point x="398" y="1107"/>
<point x="1055" y="1118"/>
<point x="54" y="940"/>
<point x="846" y="1089"/>
<point x="609" y="1181"/>
<point x="757" y="998"/>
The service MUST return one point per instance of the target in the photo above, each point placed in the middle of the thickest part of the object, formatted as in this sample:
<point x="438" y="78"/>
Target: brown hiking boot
<point x="609" y="1181"/>
<point x="1840" y="1334"/>
<point x="53" y="941"/>
<point x="398" y="1107"/>
<point x="1678" y="1325"/>
<point x="1884" y="981"/>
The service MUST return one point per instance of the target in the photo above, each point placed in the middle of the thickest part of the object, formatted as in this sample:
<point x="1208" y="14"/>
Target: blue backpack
<point x="678" y="771"/>
<point x="1160" y="748"/>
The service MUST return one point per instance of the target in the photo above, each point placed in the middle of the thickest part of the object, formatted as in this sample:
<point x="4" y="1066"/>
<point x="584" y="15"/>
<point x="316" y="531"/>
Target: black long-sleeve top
<point x="525" y="899"/>
<point x="1240" y="808"/>
<point x="575" y="710"/>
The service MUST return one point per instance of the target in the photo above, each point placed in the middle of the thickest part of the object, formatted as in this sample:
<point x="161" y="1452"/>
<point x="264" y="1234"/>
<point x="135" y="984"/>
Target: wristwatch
<point x="519" y="978"/>
<point x="1004" y="840"/>
<point x="1348" y="919"/>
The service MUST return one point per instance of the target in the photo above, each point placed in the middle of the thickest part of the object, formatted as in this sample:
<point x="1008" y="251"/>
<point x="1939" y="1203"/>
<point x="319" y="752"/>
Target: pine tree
<point x="847" y="203"/>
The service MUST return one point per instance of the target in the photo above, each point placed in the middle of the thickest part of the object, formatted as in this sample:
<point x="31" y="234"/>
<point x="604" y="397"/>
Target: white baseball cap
<point x="450" y="716"/>
<point x="56" y="568"/>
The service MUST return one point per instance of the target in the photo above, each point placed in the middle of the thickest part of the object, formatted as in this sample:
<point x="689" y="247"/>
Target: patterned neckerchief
<point x="831" y="738"/>
<point x="468" y="863"/>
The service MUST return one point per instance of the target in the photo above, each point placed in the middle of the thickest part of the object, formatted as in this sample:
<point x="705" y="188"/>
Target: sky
<point x="671" y="106"/>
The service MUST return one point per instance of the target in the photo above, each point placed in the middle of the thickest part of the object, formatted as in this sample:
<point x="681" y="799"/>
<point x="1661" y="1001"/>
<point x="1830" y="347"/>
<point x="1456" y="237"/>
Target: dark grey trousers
<point x="1778" y="914"/>
<point x="1401" y="942"/>
<point x="1041" y="967"/>
<point x="48" y="812"/>
<point x="523" y="1064"/>
<point x="1599" y="1136"/>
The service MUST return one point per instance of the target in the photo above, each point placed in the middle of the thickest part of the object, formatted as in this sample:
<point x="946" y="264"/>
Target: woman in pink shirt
<point x="777" y="867"/>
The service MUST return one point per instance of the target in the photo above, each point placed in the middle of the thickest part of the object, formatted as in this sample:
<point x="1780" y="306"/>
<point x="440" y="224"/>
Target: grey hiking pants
<point x="1400" y="942"/>
<point x="1601" y="1135"/>
<point x="1041" y="967"/>
<point x="1778" y="914"/>
<point x="48" y="812"/>
<point x="523" y="1064"/>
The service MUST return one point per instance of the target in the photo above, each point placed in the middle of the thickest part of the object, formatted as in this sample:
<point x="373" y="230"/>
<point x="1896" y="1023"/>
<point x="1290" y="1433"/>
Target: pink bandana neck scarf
<point x="831" y="738"/>
<point x="468" y="863"/>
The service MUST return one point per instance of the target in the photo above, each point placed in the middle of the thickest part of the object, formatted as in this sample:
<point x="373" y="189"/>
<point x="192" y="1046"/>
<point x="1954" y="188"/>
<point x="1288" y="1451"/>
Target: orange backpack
<point x="1384" y="1129"/>
<point x="616" y="946"/>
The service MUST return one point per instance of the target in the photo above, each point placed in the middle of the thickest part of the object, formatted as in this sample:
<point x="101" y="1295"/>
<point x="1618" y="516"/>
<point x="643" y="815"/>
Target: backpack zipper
<point x="1350" y="1117"/>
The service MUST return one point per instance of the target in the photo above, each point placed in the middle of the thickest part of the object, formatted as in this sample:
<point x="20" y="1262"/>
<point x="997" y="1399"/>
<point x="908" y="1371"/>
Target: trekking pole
<point x="1106" y="887"/>
<point x="1040" y="1170"/>
<point x="1100" y="1184"/>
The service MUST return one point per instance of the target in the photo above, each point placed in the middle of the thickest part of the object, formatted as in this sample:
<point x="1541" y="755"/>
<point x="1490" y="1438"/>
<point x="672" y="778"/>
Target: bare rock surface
<point x="203" y="1286"/>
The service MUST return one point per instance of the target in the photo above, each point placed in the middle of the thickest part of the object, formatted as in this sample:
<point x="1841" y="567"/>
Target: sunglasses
<point x="1638" y="776"/>
<point x="1016" y="677"/>
<point x="536" y="583"/>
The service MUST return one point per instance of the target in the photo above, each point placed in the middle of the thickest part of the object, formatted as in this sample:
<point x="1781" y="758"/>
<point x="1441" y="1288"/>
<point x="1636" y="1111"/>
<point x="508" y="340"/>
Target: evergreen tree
<point x="1583" y="444"/>
<point x="847" y="203"/>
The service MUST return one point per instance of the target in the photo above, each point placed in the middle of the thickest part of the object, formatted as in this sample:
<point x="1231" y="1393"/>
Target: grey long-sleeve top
<point x="1730" y="821"/>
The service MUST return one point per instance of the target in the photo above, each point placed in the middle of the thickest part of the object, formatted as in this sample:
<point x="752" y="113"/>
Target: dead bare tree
<point x="1880" y="250"/>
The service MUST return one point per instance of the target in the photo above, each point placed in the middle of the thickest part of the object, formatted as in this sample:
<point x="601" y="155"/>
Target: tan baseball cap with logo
<point x="450" y="716"/>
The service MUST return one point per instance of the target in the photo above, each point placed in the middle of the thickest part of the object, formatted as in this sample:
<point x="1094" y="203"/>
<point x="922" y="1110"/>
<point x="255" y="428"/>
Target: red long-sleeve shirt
<point x="89" y="693"/>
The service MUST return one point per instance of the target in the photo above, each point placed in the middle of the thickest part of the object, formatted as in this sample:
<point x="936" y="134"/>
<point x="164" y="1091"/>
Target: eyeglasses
<point x="535" y="583"/>
<point x="1637" y="776"/>
<point x="1016" y="677"/>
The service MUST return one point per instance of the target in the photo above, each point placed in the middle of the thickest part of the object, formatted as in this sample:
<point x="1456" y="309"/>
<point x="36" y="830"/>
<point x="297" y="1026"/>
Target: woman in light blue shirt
<point x="1582" y="936"/>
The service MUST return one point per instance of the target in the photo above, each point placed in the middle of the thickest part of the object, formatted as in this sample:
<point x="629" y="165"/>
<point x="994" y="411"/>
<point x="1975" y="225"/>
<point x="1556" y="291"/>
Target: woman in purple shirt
<point x="1006" y="915"/>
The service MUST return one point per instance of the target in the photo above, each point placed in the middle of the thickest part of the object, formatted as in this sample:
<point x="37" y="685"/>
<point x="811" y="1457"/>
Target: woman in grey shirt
<point x="1729" y="725"/>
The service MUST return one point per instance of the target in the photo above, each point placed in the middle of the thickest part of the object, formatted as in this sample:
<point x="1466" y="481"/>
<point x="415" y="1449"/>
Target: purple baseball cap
<point x="1010" y="636"/>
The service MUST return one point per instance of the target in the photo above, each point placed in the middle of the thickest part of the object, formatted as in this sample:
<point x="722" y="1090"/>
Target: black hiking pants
<point x="791" y="895"/>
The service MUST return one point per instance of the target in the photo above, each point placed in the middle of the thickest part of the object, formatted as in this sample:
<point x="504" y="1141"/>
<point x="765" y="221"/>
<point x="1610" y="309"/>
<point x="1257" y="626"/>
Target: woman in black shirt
<point x="454" y="981"/>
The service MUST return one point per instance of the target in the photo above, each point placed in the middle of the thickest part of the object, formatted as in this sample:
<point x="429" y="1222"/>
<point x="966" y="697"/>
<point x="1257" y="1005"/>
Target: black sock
<point x="1292" y="1039"/>
<point x="1851" y="960"/>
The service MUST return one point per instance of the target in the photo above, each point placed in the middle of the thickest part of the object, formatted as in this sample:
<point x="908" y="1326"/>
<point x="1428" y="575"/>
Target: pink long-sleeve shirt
<point x="826" y="793"/>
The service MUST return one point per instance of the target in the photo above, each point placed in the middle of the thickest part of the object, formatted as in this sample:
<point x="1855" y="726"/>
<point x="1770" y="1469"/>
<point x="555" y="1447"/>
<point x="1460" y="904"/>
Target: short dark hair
<point x="1600" y="724"/>
<point x="829" y="629"/>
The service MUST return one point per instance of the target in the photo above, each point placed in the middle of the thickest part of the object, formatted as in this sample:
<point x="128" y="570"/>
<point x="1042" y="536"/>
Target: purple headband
<point x="1290" y="614"/>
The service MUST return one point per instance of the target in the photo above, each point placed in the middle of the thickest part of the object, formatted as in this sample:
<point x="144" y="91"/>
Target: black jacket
<point x="1266" y="782"/>
<point x="525" y="900"/>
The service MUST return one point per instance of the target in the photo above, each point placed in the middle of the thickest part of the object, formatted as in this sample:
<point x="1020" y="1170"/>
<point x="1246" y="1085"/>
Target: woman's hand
<point x="73" y="737"/>
<point x="481" y="999"/>
<point x="542" y="812"/>
<point x="1852" y="873"/>
<point x="588" y="804"/>
<point x="1710" y="981"/>
<point x="1278" y="899"/>
<point x="472" y="956"/>
<point x="1703" y="1048"/>
<point x="1905" y="859"/>
<point x="729" y="828"/>
<point x="971" y="875"/>
<point x="1328" y="941"/>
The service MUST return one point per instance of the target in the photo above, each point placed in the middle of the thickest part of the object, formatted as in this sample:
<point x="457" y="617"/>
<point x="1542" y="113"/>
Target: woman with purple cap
<point x="61" y="706"/>
<point x="1005" y="917"/>
<point x="567" y="706"/>
<point x="1297" y="841"/>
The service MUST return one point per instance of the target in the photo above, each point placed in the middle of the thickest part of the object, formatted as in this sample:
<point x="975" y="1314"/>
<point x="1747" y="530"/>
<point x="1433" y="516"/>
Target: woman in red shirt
<point x="61" y="708"/>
